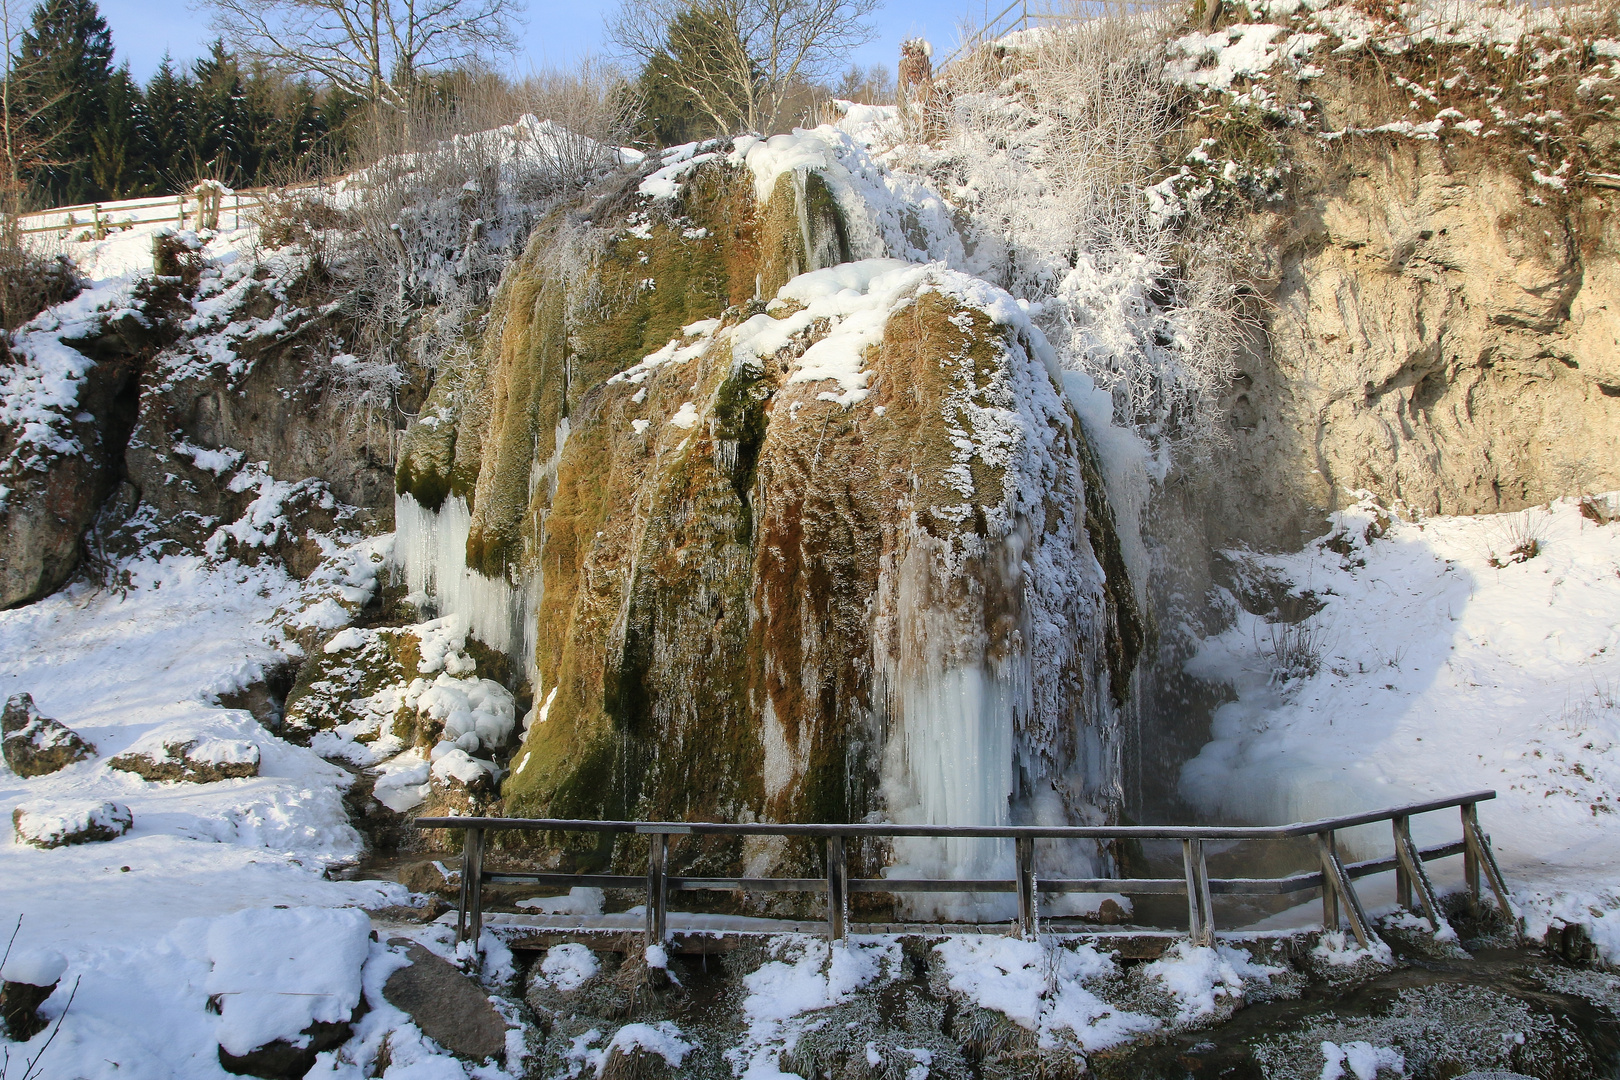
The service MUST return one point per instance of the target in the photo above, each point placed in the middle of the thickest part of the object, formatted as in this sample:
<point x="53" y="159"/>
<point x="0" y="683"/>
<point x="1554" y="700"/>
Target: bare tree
<point x="375" y="49"/>
<point x="22" y="143"/>
<point x="742" y="60"/>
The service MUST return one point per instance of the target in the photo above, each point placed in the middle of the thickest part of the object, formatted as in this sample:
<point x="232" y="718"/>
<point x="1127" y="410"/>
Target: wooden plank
<point x="1417" y="878"/>
<point x="1484" y="859"/>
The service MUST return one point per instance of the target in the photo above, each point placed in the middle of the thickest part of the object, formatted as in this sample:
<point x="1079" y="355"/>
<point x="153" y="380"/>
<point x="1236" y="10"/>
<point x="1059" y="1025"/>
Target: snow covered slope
<point x="1440" y="662"/>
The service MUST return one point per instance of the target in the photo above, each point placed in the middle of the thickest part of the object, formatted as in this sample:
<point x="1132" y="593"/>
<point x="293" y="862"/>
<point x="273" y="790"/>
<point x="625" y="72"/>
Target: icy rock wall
<point x="818" y="548"/>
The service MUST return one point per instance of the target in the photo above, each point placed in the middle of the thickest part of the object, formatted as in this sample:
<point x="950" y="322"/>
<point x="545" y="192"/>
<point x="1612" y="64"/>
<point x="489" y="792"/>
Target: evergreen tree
<point x="166" y="127"/>
<point x="222" y="145"/>
<point x="66" y="58"/>
<point x="117" y="151"/>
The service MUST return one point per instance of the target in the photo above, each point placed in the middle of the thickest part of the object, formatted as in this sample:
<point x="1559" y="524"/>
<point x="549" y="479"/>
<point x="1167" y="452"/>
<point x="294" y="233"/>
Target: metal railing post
<point x="1028" y="915"/>
<point x="837" y="889"/>
<point x="657" y="887"/>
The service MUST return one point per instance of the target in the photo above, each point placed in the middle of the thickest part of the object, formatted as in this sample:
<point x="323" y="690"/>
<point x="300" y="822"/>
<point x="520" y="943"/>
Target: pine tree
<point x="167" y="127"/>
<point x="66" y="58"/>
<point x="117" y="151"/>
<point x="221" y="142"/>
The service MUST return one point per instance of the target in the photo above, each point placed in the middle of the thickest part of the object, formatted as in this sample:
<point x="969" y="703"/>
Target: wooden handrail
<point x="1334" y="878"/>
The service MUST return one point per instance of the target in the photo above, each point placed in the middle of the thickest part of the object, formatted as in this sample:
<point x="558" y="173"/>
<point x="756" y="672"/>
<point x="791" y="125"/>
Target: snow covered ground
<point x="1440" y="662"/>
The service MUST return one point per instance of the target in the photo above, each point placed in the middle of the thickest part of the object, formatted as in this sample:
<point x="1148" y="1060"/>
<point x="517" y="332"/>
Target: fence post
<point x="1409" y="867"/>
<point x="470" y="920"/>
<point x="1200" y="916"/>
<point x="1470" y="859"/>
<point x="657" y="888"/>
<point x="1028" y="915"/>
<point x="837" y="889"/>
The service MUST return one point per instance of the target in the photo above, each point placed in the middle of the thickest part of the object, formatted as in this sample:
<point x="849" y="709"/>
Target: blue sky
<point x="556" y="33"/>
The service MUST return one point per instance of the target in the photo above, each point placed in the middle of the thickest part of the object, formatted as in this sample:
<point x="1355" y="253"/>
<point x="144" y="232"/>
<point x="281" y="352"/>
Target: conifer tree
<point x="117" y="151"/>
<point x="221" y="143"/>
<point x="167" y="124"/>
<point x="66" y="58"/>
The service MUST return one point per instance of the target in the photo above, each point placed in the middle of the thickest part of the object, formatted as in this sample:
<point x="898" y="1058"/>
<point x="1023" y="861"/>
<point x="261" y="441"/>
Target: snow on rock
<point x="34" y="967"/>
<point x="579" y="900"/>
<point x="662" y="1038"/>
<point x="567" y="967"/>
<point x="1040" y="988"/>
<point x="275" y="972"/>
<point x="180" y="752"/>
<point x="1203" y="978"/>
<point x="58" y="824"/>
<point x="805" y="975"/>
<point x="34" y="744"/>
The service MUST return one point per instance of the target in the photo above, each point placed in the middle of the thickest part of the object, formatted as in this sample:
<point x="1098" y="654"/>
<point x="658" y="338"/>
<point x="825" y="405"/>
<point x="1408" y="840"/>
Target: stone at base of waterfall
<point x="35" y="745"/>
<point x="446" y="1005"/>
<point x="58" y="824"/>
<point x="29" y="979"/>
<point x="197" y="761"/>
<point x="281" y="1060"/>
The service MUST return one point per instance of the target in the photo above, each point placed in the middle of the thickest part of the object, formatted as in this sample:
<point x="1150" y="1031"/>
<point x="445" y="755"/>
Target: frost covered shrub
<point x="1053" y="144"/>
<point x="31" y="282"/>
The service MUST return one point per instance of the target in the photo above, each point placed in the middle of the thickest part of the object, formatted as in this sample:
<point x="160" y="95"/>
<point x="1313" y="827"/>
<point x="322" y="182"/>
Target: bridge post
<point x="1028" y="915"/>
<point x="470" y="919"/>
<point x="657" y="890"/>
<point x="1477" y="857"/>
<point x="1409" y="864"/>
<point x="1200" y="910"/>
<point x="1400" y="825"/>
<point x="1327" y="849"/>
<point x="837" y="889"/>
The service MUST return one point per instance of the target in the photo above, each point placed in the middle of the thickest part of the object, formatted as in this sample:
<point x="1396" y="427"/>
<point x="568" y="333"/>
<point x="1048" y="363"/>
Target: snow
<point x="662" y="1038"/>
<point x="35" y="967"/>
<point x="803" y="976"/>
<point x="50" y="824"/>
<point x="580" y="900"/>
<point x="1039" y="987"/>
<point x="274" y="972"/>
<point x="1197" y="975"/>
<point x="1362" y="1059"/>
<point x="568" y="967"/>
<point x="1445" y="666"/>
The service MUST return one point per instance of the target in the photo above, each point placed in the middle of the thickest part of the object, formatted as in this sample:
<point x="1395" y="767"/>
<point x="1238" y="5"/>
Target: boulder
<point x="284" y="1060"/>
<point x="35" y="745"/>
<point x="448" y="1006"/>
<point x="197" y="761"/>
<point x="57" y="825"/>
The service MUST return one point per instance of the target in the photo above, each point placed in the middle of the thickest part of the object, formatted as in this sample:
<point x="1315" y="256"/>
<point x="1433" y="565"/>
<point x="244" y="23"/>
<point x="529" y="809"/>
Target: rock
<point x="35" y="745"/>
<point x="449" y="1007"/>
<point x="60" y="824"/>
<point x="281" y="1060"/>
<point x="427" y="877"/>
<point x="29" y="980"/>
<point x="197" y="761"/>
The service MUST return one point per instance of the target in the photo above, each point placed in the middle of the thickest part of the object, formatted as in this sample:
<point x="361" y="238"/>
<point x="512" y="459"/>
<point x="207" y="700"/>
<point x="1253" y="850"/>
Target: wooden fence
<point x="1334" y="878"/>
<point x="97" y="220"/>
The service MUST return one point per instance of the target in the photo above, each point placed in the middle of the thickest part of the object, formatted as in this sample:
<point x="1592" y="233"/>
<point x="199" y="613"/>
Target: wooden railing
<point x="100" y="219"/>
<point x="1334" y="878"/>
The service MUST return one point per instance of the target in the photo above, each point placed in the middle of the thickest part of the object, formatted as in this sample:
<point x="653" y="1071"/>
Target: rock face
<point x="196" y="761"/>
<point x="1439" y="334"/>
<point x="61" y="824"/>
<point x="841" y="550"/>
<point x="35" y="745"/>
<point x="72" y="396"/>
<point x="447" y="1005"/>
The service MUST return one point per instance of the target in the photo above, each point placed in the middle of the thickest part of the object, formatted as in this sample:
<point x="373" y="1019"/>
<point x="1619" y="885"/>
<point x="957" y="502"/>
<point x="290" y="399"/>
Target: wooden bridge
<point x="1335" y="879"/>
